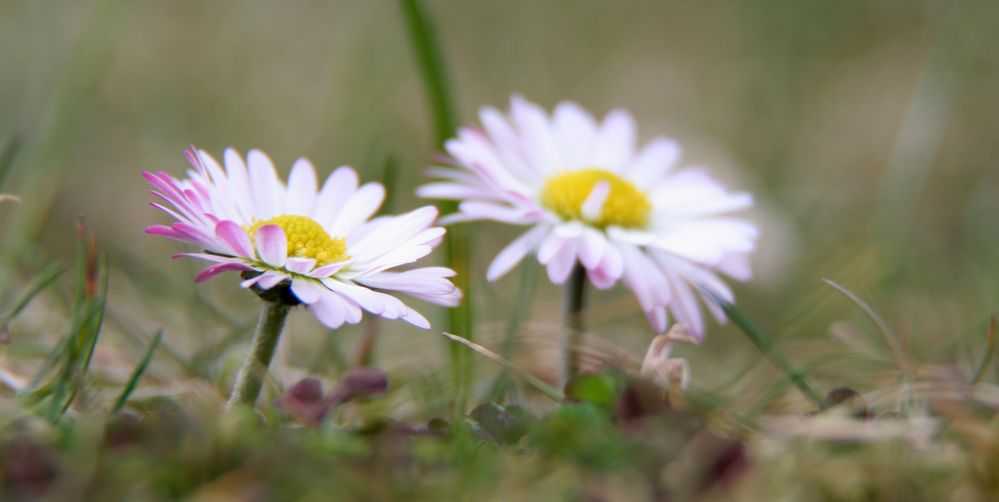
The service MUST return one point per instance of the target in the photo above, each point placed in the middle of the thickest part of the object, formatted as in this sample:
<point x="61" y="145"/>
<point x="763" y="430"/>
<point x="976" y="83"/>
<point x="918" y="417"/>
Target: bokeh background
<point x="867" y="130"/>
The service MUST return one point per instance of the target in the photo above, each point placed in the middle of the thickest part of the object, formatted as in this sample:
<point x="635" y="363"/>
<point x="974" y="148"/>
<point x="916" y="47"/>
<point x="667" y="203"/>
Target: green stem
<point x="258" y="359"/>
<point x="430" y="62"/>
<point x="574" y="300"/>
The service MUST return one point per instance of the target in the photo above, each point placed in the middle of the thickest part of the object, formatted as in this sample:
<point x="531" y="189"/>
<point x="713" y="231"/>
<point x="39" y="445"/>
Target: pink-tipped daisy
<point x="320" y="243"/>
<point x="591" y="198"/>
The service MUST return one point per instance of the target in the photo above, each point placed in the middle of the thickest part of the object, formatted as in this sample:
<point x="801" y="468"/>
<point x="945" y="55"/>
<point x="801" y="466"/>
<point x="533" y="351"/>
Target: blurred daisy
<point x="320" y="243"/>
<point x="591" y="198"/>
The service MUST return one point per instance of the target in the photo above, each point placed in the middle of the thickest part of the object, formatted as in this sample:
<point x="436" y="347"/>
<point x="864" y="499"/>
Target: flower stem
<point x="572" y="309"/>
<point x="258" y="359"/>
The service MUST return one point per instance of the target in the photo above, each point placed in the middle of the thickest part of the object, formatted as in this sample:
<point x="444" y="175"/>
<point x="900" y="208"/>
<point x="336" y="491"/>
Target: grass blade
<point x="879" y="323"/>
<point x="430" y="61"/>
<point x="140" y="369"/>
<point x="41" y="281"/>
<point x="766" y="346"/>
<point x="552" y="393"/>
<point x="989" y="352"/>
<point x="7" y="155"/>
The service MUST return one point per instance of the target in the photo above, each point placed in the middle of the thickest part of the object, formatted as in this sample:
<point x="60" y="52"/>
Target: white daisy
<point x="319" y="242"/>
<point x="591" y="198"/>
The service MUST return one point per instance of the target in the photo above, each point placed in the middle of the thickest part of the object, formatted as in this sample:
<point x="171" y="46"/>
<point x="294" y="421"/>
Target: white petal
<point x="609" y="270"/>
<point x="591" y="248"/>
<point x="473" y="151"/>
<point x="654" y="161"/>
<point x="399" y="256"/>
<point x="391" y="232"/>
<point x="369" y="300"/>
<point x="455" y="191"/>
<point x="239" y="184"/>
<point x="248" y="283"/>
<point x="594" y="203"/>
<point x="550" y="247"/>
<point x="615" y="141"/>
<point x="335" y="192"/>
<point x="515" y="252"/>
<point x="234" y="235"/>
<point x="506" y="214"/>
<point x="562" y="263"/>
<point x="306" y="291"/>
<point x="272" y="245"/>
<point x="328" y="270"/>
<point x="693" y="192"/>
<point x="575" y="130"/>
<point x="736" y="266"/>
<point x="683" y="303"/>
<point x="299" y="265"/>
<point x="352" y="310"/>
<point x="330" y="310"/>
<point x="270" y="279"/>
<point x="536" y="134"/>
<point x="644" y="278"/>
<point x="419" y="281"/>
<point x="301" y="195"/>
<point x="416" y="319"/>
<point x="707" y="240"/>
<point x="507" y="142"/>
<point x="361" y="205"/>
<point x="658" y="319"/>
<point x="636" y="237"/>
<point x="265" y="186"/>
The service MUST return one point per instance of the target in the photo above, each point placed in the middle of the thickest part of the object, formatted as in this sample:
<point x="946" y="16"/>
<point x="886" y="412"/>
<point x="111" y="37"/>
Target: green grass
<point x="864" y="130"/>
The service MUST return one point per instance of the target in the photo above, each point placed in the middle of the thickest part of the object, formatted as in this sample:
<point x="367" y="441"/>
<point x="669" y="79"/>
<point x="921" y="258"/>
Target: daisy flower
<point x="590" y="197"/>
<point x="320" y="245"/>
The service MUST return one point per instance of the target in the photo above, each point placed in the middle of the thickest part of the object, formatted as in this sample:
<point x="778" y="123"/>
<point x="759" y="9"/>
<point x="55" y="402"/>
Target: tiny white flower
<point x="590" y="197"/>
<point x="321" y="242"/>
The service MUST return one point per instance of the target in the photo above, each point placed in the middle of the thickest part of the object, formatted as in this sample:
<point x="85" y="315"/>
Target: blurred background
<point x="867" y="130"/>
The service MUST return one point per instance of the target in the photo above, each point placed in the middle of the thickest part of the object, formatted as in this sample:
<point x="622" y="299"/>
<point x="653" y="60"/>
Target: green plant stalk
<point x="431" y="64"/>
<point x="763" y="343"/>
<point x="574" y="301"/>
<point x="251" y="375"/>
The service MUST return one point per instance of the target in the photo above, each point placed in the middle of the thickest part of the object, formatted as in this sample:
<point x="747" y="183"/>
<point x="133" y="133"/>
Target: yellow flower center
<point x="625" y="205"/>
<point x="306" y="239"/>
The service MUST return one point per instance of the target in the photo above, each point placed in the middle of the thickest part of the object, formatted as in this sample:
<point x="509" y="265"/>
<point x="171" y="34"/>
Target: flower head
<point x="590" y="197"/>
<point x="319" y="242"/>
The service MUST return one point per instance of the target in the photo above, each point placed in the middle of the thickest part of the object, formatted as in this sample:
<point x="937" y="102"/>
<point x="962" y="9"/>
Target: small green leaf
<point x="503" y="425"/>
<point x="597" y="388"/>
